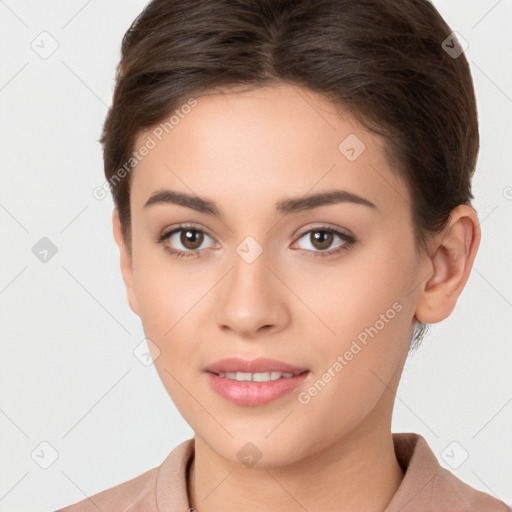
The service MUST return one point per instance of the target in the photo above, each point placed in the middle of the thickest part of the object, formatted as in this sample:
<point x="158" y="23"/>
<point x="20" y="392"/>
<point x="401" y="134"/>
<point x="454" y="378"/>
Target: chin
<point x="258" y="449"/>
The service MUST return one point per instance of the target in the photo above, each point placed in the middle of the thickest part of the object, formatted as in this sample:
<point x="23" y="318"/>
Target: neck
<point x="359" y="472"/>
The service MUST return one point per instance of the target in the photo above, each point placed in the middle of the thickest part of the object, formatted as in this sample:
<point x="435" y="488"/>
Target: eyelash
<point x="349" y="241"/>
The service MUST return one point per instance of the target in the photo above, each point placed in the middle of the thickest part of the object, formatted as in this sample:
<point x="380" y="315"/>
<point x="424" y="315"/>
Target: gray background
<point x="68" y="375"/>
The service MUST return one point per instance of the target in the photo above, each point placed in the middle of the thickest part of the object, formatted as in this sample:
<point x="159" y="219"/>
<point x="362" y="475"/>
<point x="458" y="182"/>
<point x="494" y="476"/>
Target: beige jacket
<point x="426" y="486"/>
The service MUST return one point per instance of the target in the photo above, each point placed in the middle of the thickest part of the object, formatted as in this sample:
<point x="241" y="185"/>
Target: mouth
<point x="253" y="366"/>
<point x="254" y="382"/>
<point x="258" y="376"/>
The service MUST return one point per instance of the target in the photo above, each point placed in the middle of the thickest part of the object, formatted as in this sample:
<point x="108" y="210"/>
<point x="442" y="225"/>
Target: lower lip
<point x="254" y="393"/>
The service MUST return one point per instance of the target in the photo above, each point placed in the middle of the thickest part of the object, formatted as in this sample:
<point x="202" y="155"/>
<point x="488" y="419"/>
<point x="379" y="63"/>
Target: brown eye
<point x="322" y="242"/>
<point x="191" y="238"/>
<point x="321" y="239"/>
<point x="185" y="241"/>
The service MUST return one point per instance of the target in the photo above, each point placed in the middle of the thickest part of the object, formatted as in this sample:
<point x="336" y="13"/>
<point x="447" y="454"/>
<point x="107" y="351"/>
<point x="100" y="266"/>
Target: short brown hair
<point x="382" y="60"/>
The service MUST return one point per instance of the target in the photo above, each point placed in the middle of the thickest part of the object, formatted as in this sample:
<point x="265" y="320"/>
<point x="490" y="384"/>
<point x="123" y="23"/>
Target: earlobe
<point x="125" y="261"/>
<point x="452" y="256"/>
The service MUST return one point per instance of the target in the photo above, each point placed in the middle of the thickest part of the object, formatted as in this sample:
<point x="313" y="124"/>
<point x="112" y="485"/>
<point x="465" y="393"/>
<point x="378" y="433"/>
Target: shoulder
<point x="427" y="486"/>
<point x="134" y="495"/>
<point x="161" y="488"/>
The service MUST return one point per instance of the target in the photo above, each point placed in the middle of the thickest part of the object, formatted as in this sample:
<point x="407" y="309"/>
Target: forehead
<point x="263" y="143"/>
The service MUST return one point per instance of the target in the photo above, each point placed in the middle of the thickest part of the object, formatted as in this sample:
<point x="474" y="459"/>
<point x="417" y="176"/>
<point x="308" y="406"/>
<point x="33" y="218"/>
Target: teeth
<point x="255" y="377"/>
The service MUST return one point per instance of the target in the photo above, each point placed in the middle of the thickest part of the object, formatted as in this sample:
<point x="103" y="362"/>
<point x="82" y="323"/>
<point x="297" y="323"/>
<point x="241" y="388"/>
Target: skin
<point x="245" y="151"/>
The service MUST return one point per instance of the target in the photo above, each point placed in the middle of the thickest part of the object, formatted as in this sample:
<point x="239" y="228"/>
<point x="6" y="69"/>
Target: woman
<point x="292" y="182"/>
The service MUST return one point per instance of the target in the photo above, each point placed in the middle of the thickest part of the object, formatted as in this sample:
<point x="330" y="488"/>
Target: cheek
<point x="166" y="308"/>
<point x="368" y="309"/>
<point x="358" y="368"/>
<point x="169" y="300"/>
<point x="366" y="289"/>
<point x="167" y="293"/>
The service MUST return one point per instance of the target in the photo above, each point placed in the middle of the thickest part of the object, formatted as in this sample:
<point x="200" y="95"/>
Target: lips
<point x="260" y="365"/>
<point x="253" y="394"/>
<point x="254" y="382"/>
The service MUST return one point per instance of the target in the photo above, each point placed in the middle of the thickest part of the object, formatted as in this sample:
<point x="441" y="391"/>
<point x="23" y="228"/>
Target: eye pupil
<point x="191" y="236"/>
<point x="324" y="238"/>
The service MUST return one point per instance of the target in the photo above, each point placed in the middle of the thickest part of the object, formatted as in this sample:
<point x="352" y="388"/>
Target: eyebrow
<point x="285" y="207"/>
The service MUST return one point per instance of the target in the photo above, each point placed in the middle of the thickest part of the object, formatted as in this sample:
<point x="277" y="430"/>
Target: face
<point x="325" y="286"/>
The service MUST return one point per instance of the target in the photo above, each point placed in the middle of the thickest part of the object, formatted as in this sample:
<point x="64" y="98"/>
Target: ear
<point x="126" y="261"/>
<point x="451" y="258"/>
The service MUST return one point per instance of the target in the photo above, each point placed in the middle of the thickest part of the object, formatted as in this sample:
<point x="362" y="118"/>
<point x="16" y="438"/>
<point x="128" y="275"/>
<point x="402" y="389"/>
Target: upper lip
<point x="262" y="364"/>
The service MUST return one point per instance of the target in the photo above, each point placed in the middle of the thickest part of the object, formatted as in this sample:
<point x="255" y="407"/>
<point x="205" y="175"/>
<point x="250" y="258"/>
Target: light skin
<point x="245" y="152"/>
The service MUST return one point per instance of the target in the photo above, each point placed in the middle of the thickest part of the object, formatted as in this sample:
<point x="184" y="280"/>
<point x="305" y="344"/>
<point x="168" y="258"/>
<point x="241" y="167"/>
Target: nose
<point x="252" y="301"/>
